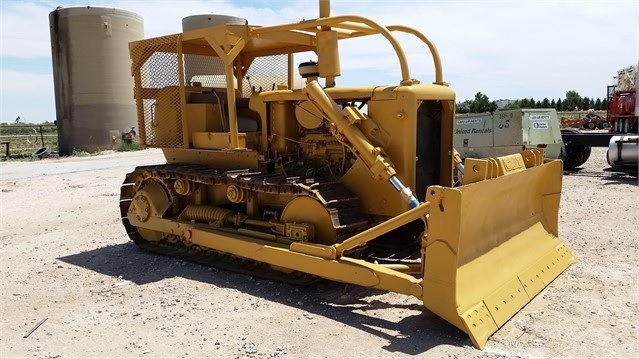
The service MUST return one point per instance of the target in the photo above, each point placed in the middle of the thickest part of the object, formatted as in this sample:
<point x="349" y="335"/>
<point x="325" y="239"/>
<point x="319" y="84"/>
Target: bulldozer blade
<point x="491" y="247"/>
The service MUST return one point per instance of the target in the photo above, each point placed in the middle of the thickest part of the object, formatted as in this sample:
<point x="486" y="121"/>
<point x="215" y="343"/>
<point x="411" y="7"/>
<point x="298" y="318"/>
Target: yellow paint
<point x="490" y="245"/>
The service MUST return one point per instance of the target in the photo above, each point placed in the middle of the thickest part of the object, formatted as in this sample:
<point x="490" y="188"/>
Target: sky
<point x="504" y="49"/>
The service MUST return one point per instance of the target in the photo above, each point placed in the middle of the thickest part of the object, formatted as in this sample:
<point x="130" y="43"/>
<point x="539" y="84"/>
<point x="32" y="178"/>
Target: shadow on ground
<point x="413" y="334"/>
<point x="607" y="175"/>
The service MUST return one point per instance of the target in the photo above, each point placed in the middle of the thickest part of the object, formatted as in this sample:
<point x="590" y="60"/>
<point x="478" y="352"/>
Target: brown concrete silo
<point x="92" y="75"/>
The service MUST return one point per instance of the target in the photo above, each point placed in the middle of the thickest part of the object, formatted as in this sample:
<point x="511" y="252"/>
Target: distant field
<point x="24" y="140"/>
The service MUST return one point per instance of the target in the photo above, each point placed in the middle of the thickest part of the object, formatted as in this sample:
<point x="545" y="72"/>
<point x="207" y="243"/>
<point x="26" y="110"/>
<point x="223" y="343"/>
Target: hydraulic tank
<point x="623" y="149"/>
<point x="92" y="75"/>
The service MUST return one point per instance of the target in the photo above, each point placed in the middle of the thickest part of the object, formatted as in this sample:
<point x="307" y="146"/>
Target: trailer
<point x="621" y="138"/>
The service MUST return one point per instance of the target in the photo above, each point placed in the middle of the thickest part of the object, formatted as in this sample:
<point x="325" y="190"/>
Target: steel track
<point x="335" y="197"/>
<point x="332" y="194"/>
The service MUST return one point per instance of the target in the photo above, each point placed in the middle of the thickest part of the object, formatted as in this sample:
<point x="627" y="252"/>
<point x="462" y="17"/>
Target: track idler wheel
<point x="149" y="201"/>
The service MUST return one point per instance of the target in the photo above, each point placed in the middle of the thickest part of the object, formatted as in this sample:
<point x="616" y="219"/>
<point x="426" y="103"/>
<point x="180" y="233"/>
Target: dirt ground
<point x="64" y="257"/>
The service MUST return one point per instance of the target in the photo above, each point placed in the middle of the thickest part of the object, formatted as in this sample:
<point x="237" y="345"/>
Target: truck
<point x="621" y="138"/>
<point x="327" y="182"/>
<point x="623" y="107"/>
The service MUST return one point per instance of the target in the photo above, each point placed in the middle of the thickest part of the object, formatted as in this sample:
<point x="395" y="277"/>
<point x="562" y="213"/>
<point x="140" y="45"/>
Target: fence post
<point x="41" y="136"/>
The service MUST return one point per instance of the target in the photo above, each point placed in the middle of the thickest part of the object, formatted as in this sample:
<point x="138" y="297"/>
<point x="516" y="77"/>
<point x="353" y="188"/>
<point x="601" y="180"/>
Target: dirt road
<point x="64" y="256"/>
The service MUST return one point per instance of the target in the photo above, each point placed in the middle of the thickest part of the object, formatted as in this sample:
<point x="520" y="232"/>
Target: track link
<point x="335" y="197"/>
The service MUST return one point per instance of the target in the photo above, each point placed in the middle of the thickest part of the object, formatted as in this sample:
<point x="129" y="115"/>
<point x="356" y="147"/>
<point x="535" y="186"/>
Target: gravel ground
<point x="64" y="257"/>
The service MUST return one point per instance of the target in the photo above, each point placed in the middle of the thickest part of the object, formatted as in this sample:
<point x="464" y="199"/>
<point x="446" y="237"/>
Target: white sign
<point x="540" y="125"/>
<point x="468" y="121"/>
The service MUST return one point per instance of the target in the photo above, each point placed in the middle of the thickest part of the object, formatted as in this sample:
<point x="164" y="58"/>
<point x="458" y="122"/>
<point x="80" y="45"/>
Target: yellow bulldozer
<point x="279" y="173"/>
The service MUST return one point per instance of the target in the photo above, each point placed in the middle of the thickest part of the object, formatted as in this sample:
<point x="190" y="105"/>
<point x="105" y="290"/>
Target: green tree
<point x="480" y="104"/>
<point x="598" y="104"/>
<point x="585" y="103"/>
<point x="592" y="103"/>
<point x="566" y="106"/>
<point x="523" y="103"/>
<point x="604" y="104"/>
<point x="553" y="104"/>
<point x="493" y="106"/>
<point x="514" y="105"/>
<point x="573" y="101"/>
<point x="463" y="107"/>
<point x="560" y="105"/>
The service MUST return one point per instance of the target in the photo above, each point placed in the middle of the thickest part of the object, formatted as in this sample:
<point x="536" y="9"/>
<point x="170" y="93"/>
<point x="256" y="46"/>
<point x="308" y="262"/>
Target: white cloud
<point x="165" y="17"/>
<point x="24" y="83"/>
<point x="501" y="48"/>
<point x="24" y="30"/>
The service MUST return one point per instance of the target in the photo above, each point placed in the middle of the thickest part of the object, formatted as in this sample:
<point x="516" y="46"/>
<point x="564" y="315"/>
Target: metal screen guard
<point x="491" y="247"/>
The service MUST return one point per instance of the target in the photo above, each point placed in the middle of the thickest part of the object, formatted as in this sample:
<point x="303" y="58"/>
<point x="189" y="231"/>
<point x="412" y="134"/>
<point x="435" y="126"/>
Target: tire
<point x="562" y="153"/>
<point x="576" y="156"/>
<point x="591" y="125"/>
<point x="42" y="152"/>
<point x="604" y="125"/>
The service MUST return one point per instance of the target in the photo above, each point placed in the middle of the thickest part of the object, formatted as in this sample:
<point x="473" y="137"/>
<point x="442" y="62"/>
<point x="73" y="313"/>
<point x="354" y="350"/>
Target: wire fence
<point x="20" y="141"/>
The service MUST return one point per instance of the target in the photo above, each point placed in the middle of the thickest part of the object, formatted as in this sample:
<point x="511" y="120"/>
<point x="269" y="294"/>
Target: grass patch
<point x="80" y="153"/>
<point x="127" y="147"/>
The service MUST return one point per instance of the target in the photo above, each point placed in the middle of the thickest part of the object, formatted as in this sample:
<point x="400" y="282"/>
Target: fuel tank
<point x="623" y="149"/>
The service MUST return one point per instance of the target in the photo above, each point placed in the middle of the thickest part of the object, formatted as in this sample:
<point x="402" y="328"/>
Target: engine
<point x="323" y="151"/>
